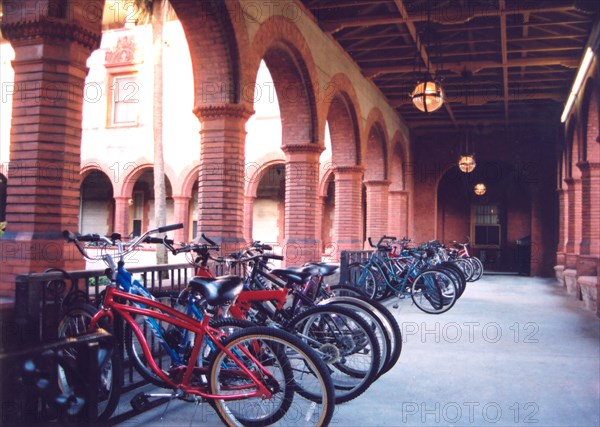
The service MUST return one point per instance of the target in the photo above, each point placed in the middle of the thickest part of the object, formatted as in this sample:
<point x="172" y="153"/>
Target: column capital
<point x="43" y="29"/>
<point x="216" y="112"/>
<point x="302" y="148"/>
<point x="571" y="181"/>
<point x="355" y="169"/>
<point x="377" y="183"/>
<point x="588" y="166"/>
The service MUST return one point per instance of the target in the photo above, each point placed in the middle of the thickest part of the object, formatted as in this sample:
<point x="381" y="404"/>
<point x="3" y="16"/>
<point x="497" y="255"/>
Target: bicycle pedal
<point x="140" y="402"/>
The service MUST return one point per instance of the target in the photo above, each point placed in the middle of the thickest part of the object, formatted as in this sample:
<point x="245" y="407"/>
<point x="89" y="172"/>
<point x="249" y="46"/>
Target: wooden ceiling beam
<point x="476" y="66"/>
<point x="447" y="16"/>
<point x="478" y="100"/>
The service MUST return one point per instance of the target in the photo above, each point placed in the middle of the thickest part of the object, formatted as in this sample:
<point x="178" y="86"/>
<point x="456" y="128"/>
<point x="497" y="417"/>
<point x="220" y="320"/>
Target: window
<point x="124" y="104"/>
<point x="486" y="223"/>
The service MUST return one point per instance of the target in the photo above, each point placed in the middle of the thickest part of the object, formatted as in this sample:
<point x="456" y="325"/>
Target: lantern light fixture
<point x="466" y="163"/>
<point x="480" y="189"/>
<point x="428" y="96"/>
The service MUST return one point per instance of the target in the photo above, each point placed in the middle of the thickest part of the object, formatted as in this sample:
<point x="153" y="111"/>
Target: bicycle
<point x="341" y="336"/>
<point x="431" y="290"/>
<point x="249" y="377"/>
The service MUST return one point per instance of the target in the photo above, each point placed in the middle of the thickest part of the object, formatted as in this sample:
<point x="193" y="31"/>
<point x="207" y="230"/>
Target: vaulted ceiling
<point x="501" y="62"/>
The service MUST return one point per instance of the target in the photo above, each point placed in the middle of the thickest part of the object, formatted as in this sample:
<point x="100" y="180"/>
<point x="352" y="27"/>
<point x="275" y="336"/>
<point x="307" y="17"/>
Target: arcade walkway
<point x="514" y="351"/>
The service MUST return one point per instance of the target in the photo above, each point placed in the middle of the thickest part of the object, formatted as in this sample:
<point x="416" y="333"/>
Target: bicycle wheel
<point x="281" y="361"/>
<point x="385" y="320"/>
<point x="134" y="348"/>
<point x="346" y="342"/>
<point x="456" y="274"/>
<point x="477" y="268"/>
<point x="369" y="280"/>
<point x="74" y="323"/>
<point x="425" y="293"/>
<point x="343" y="290"/>
<point x="465" y="266"/>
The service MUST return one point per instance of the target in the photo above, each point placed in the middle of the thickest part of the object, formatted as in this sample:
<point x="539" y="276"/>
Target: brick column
<point x="301" y="241"/>
<point x="182" y="215"/>
<point x="43" y="178"/>
<point x="377" y="209"/>
<point x="562" y="226"/>
<point x="248" y="217"/>
<point x="221" y="177"/>
<point x="348" y="208"/>
<point x="589" y="248"/>
<point x="573" y="235"/>
<point x="403" y="220"/>
<point x="398" y="213"/>
<point x="320" y="213"/>
<point x="122" y="215"/>
<point x="574" y="221"/>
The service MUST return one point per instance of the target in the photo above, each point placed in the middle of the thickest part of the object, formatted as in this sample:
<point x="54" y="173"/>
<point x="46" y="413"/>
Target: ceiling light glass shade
<point x="467" y="163"/>
<point x="480" y="189"/>
<point x="428" y="96"/>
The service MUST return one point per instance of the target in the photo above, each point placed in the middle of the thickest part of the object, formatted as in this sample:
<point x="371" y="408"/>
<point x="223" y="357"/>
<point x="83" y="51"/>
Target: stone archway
<point x="342" y="117"/>
<point x="376" y="180"/>
<point x="285" y="52"/>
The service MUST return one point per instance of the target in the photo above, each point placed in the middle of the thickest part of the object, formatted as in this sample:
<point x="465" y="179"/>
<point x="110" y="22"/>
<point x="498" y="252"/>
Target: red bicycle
<point x="250" y="377"/>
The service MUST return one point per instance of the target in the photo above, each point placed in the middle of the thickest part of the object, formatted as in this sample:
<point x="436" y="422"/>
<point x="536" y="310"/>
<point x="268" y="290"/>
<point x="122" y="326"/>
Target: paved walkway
<point x="513" y="351"/>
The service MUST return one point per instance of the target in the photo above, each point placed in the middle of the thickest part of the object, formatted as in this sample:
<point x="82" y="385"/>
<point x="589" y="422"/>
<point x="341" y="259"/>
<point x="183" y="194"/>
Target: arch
<point x="375" y="149"/>
<point x="398" y="162"/>
<point x="190" y="177"/>
<point x="215" y="33"/>
<point x="133" y="172"/>
<point x="254" y="177"/>
<point x="96" y="201"/>
<point x="324" y="184"/>
<point x="591" y="146"/>
<point x="342" y="112"/>
<point x="285" y="51"/>
<point x="456" y="214"/>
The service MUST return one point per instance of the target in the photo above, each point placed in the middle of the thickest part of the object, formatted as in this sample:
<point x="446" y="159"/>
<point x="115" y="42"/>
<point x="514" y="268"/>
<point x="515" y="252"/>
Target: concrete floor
<point x="513" y="351"/>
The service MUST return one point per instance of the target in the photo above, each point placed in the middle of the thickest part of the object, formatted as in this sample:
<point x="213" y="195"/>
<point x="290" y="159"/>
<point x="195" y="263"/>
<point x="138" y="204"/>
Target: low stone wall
<point x="570" y="278"/>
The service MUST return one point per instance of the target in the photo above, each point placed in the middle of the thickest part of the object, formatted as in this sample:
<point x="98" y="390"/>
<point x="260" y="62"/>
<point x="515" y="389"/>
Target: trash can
<point x="524" y="256"/>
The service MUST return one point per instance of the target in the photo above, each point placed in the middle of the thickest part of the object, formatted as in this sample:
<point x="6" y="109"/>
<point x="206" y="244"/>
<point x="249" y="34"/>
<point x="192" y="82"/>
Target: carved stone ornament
<point x="124" y="53"/>
<point x="220" y="111"/>
<point x="44" y="29"/>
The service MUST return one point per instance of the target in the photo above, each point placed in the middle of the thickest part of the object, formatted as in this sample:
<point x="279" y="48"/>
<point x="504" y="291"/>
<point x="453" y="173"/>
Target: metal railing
<point x="42" y="298"/>
<point x="347" y="258"/>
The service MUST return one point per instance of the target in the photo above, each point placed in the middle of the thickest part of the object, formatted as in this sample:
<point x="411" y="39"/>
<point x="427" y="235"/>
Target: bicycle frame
<point x="174" y="317"/>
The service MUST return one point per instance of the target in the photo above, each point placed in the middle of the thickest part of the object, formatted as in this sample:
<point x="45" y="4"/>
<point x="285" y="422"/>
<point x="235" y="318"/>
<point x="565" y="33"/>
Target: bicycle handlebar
<point x="384" y="237"/>
<point x="171" y="227"/>
<point x="77" y="239"/>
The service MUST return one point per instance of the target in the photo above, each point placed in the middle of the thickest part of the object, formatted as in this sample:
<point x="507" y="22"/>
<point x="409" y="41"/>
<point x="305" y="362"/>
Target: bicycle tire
<point x="426" y="292"/>
<point x="345" y="339"/>
<point x="390" y="326"/>
<point x="369" y="282"/>
<point x="477" y="268"/>
<point x="457" y="274"/>
<point x="133" y="347"/>
<point x="375" y="324"/>
<point x="74" y="322"/>
<point x="291" y="353"/>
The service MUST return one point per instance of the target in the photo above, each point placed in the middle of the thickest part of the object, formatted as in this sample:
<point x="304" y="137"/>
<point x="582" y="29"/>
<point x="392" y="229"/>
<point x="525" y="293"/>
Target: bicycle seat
<point x="320" y="268"/>
<point x="218" y="291"/>
<point x="294" y="274"/>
